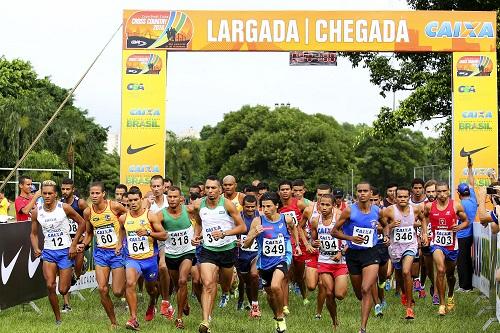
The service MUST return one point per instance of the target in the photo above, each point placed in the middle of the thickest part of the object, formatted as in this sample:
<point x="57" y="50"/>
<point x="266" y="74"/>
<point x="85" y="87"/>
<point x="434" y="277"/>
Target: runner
<point x="293" y="207"/>
<point x="340" y="203"/>
<point x="102" y="222"/>
<point x="390" y="198"/>
<point x="179" y="252"/>
<point x="378" y="289"/>
<point x="220" y="223"/>
<point x="140" y="227"/>
<point x="402" y="220"/>
<point x="427" y="269"/>
<point x="270" y="230"/>
<point x="442" y="215"/>
<point x="417" y="198"/>
<point x="120" y="191"/>
<point x="299" y="189"/>
<point x="229" y="186"/>
<point x="358" y="225"/>
<point x="332" y="268"/>
<point x="79" y="205"/>
<point x="58" y="249"/>
<point x="246" y="264"/>
<point x="311" y="273"/>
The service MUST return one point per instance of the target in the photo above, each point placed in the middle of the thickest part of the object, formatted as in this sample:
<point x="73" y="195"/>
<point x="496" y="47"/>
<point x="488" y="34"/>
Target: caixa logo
<point x="135" y="86"/>
<point x="467" y="89"/>
<point x="459" y="29"/>
<point x="144" y="112"/>
<point x="477" y="114"/>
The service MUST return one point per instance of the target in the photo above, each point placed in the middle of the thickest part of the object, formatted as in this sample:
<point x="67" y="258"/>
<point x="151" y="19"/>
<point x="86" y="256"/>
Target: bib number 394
<point x="366" y="234"/>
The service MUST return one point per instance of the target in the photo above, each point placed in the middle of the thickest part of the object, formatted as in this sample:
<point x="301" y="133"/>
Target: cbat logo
<point x="107" y="217"/>
<point x="459" y="29"/>
<point x="144" y="112"/>
<point x="135" y="86"/>
<point x="466" y="89"/>
<point x="477" y="114"/>
<point x="138" y="43"/>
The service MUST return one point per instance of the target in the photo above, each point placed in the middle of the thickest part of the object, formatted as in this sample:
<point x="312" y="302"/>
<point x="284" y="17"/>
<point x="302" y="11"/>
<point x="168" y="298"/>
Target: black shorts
<point x="267" y="275"/>
<point x="358" y="259"/>
<point x="426" y="250"/>
<point x="383" y="253"/>
<point x="224" y="259"/>
<point x="174" y="263"/>
<point x="244" y="264"/>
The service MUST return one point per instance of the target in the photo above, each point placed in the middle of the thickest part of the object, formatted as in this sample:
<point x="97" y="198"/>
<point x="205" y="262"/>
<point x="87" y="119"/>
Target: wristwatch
<point x="149" y="232"/>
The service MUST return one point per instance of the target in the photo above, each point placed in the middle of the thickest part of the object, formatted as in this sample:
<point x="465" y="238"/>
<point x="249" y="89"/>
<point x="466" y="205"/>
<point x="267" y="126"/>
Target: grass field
<point x="89" y="316"/>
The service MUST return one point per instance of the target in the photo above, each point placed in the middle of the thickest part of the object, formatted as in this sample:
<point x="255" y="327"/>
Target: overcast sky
<point x="61" y="38"/>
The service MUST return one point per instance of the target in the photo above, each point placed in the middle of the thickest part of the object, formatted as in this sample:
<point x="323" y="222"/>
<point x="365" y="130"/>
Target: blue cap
<point x="463" y="189"/>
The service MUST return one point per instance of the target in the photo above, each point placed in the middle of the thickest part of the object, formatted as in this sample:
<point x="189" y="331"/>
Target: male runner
<point x="358" y="225"/>
<point x="179" y="252"/>
<point x="340" y="203"/>
<point x="299" y="189"/>
<point x="229" y="186"/>
<point x="247" y="258"/>
<point x="402" y="219"/>
<point x="220" y="223"/>
<point x="294" y="207"/>
<point x="271" y="230"/>
<point x="417" y="198"/>
<point x="311" y="272"/>
<point x="140" y="228"/>
<point x="390" y="198"/>
<point x="58" y="248"/>
<point x="167" y="182"/>
<point x="102" y="222"/>
<point x="442" y="215"/>
<point x="120" y="191"/>
<point x="79" y="205"/>
<point x="332" y="268"/>
<point x="427" y="270"/>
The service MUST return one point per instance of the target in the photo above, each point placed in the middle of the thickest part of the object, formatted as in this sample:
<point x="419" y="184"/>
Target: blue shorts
<point x="148" y="268"/>
<point x="245" y="260"/>
<point x="108" y="258"/>
<point x="398" y="264"/>
<point x="450" y="255"/>
<point x="59" y="257"/>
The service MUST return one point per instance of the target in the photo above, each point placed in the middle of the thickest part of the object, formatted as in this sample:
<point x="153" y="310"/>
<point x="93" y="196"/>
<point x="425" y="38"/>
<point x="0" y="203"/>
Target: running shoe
<point x="305" y="301"/>
<point x="58" y="322"/>
<point x="247" y="306"/>
<point x="164" y="307"/>
<point x="296" y="288"/>
<point x="66" y="308"/>
<point x="422" y="293"/>
<point x="450" y="305"/>
<point x="286" y="311"/>
<point x="384" y="304"/>
<point x="132" y="324"/>
<point x="150" y="313"/>
<point x="435" y="299"/>
<point x="204" y="327"/>
<point x="404" y="299"/>
<point x="255" y="312"/>
<point x="409" y="313"/>
<point x="362" y="330"/>
<point x="317" y="316"/>
<point x="179" y="324"/>
<point x="239" y="306"/>
<point x="280" y="325"/>
<point x="223" y="300"/>
<point x="378" y="310"/>
<point x="387" y="285"/>
<point x="442" y="310"/>
<point x="416" y="285"/>
<point x="187" y="310"/>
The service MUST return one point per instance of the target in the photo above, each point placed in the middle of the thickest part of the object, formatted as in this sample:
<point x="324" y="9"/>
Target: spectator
<point x="4" y="204"/>
<point x="25" y="201"/>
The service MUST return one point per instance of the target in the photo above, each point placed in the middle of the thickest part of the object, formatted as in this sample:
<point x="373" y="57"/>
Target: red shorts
<point x="303" y="256"/>
<point x="312" y="259"/>
<point x="333" y="269"/>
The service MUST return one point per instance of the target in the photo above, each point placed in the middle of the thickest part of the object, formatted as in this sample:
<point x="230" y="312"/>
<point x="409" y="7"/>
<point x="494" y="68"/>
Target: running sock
<point x="255" y="302"/>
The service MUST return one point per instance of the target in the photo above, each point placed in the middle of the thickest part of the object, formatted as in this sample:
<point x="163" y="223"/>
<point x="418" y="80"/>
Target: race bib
<point x="106" y="236"/>
<point x="403" y="235"/>
<point x="274" y="247"/>
<point x="73" y="227"/>
<point x="252" y="248"/>
<point x="137" y="244"/>
<point x="57" y="240"/>
<point x="366" y="234"/>
<point x="179" y="241"/>
<point x="293" y="216"/>
<point x="443" y="238"/>
<point x="329" y="244"/>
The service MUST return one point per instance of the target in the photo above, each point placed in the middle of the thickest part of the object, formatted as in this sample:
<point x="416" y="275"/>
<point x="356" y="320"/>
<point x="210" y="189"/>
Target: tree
<point x="183" y="159"/>
<point x="426" y="75"/>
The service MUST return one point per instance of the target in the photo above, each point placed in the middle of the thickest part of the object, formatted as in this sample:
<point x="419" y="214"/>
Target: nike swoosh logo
<point x="32" y="265"/>
<point x="464" y="153"/>
<point x="131" y="150"/>
<point x="6" y="271"/>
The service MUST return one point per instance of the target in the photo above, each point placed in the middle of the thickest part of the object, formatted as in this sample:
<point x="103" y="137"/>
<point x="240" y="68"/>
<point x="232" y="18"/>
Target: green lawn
<point x="88" y="316"/>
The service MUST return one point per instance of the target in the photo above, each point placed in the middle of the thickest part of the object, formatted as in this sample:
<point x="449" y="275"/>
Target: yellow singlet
<point x="139" y="247"/>
<point x="106" y="227"/>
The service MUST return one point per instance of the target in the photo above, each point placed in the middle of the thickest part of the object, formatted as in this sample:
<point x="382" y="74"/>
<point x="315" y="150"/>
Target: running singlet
<point x="73" y="226"/>
<point x="248" y="222"/>
<point x="106" y="227"/>
<point x="180" y="233"/>
<point x="404" y="237"/>
<point x="154" y="206"/>
<point x="364" y="225"/>
<point x="330" y="246"/>
<point x="139" y="247"/>
<point x="236" y="202"/>
<point x="442" y="221"/>
<point x="274" y="244"/>
<point x="55" y="227"/>
<point x="213" y="219"/>
<point x="292" y="210"/>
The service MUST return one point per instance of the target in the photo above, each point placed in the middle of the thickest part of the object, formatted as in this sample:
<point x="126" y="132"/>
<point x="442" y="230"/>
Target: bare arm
<point x="27" y="209"/>
<point x="255" y="230"/>
<point x="121" y="234"/>
<point x="89" y="228"/>
<point x="314" y="232"/>
<point x="239" y="225"/>
<point x="459" y="209"/>
<point x="34" y="234"/>
<point x="158" y="232"/>
<point x="72" y="214"/>
<point x="295" y="235"/>
<point x="470" y="175"/>
<point x="337" y="229"/>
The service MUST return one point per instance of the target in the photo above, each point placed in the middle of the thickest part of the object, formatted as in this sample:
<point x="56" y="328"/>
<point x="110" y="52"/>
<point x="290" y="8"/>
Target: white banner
<point x="482" y="258"/>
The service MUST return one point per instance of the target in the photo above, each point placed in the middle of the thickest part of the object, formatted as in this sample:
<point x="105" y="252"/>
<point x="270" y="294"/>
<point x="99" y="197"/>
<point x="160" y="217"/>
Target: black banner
<point x="21" y="277"/>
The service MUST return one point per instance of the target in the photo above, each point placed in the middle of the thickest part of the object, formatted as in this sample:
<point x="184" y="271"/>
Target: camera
<point x="492" y="189"/>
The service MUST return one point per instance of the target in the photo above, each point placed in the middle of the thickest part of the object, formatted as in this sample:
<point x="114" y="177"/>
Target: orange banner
<point x="413" y="31"/>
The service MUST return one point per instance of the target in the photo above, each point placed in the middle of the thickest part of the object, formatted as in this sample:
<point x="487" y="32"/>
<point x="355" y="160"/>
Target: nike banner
<point x="21" y="278"/>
